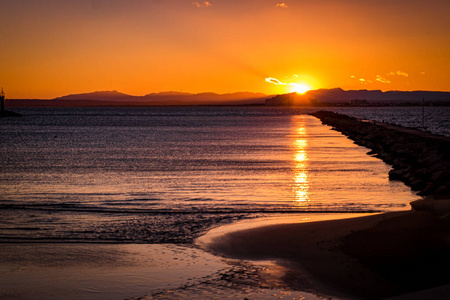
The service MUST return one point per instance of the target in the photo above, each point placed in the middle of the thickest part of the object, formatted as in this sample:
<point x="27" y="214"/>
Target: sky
<point x="51" y="48"/>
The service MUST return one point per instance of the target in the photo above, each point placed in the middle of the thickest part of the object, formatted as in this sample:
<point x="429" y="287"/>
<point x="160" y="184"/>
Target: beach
<point x="134" y="271"/>
<point x="376" y="256"/>
<point x="371" y="257"/>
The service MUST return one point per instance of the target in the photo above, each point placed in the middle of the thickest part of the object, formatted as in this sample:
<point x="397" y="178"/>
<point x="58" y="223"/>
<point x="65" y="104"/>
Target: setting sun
<point x="142" y="47"/>
<point x="300" y="88"/>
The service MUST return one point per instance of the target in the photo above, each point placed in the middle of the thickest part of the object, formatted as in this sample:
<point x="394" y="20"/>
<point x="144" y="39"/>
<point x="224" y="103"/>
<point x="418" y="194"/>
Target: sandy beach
<point x="133" y="271"/>
<point x="372" y="257"/>
<point x="376" y="256"/>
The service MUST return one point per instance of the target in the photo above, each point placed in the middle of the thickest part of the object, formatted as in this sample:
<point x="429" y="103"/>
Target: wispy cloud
<point x="365" y="81"/>
<point x="382" y="80"/>
<point x="399" y="73"/>
<point x="282" y="5"/>
<point x="203" y="4"/>
<point x="274" y="81"/>
<point x="378" y="78"/>
<point x="294" y="86"/>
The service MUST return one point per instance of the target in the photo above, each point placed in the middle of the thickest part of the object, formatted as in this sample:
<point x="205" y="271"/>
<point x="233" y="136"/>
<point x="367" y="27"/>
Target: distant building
<point x="281" y="100"/>
<point x="2" y="100"/>
<point x="292" y="99"/>
<point x="357" y="102"/>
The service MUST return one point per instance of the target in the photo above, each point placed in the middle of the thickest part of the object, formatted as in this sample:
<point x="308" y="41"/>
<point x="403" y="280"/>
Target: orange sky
<point x="50" y="48"/>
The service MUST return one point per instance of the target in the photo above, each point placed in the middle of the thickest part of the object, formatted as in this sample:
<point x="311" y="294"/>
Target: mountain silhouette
<point x="320" y="97"/>
<point x="115" y="98"/>
<point x="323" y="97"/>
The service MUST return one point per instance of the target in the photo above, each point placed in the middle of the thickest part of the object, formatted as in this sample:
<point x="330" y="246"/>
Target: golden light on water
<point x="300" y="159"/>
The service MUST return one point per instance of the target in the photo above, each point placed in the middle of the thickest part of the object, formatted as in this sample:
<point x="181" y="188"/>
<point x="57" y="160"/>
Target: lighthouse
<point x="2" y="100"/>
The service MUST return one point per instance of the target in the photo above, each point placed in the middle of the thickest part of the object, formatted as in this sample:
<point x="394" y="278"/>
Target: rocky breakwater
<point x="8" y="113"/>
<point x="418" y="158"/>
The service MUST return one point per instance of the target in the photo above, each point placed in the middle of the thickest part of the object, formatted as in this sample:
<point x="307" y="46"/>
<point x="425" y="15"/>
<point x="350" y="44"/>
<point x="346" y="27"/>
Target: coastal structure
<point x="358" y="102"/>
<point x="2" y="100"/>
<point x="3" y="112"/>
<point x="291" y="99"/>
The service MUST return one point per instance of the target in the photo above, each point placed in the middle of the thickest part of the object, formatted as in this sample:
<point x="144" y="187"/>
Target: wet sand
<point x="374" y="256"/>
<point x="133" y="271"/>
<point x="370" y="257"/>
<point x="99" y="271"/>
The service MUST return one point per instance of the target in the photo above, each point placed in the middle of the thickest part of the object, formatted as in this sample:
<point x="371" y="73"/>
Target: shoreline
<point x="371" y="257"/>
<point x="133" y="271"/>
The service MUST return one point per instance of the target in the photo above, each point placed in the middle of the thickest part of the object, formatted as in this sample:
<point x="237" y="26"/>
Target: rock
<point x="8" y="113"/>
<point x="396" y="174"/>
<point x="438" y="207"/>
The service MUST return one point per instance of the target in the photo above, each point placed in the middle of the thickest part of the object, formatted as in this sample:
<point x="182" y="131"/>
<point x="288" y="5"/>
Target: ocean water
<point x="431" y="118"/>
<point x="167" y="175"/>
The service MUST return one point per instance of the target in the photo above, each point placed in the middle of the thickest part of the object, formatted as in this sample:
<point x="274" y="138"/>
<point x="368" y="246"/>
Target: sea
<point x="169" y="174"/>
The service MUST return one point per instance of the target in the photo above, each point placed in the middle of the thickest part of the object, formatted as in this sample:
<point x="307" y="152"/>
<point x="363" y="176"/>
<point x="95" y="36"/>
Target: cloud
<point x="274" y="81"/>
<point x="203" y="4"/>
<point x="382" y="80"/>
<point x="294" y="86"/>
<point x="282" y="5"/>
<point x="399" y="73"/>
<point x="365" y="81"/>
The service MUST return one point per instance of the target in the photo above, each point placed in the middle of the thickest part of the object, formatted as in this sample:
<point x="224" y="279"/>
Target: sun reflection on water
<point x="301" y="176"/>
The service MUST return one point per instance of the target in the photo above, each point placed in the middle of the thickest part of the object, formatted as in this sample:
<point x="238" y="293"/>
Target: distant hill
<point x="323" y="97"/>
<point x="320" y="97"/>
<point x="99" y="96"/>
<point x="203" y="99"/>
<point x="115" y="98"/>
<point x="340" y="95"/>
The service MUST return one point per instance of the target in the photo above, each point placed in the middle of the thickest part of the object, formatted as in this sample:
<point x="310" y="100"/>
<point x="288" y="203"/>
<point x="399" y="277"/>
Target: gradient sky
<point x="51" y="48"/>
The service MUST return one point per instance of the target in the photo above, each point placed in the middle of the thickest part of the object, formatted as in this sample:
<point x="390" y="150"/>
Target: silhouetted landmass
<point x="319" y="98"/>
<point x="98" y="96"/>
<point x="340" y="97"/>
<point x="114" y="98"/>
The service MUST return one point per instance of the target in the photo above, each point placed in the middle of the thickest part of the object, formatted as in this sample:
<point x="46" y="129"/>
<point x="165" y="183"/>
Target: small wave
<point x="236" y="209"/>
<point x="199" y="199"/>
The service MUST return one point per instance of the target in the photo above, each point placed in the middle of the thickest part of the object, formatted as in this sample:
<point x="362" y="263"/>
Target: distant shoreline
<point x="100" y="103"/>
<point x="335" y="97"/>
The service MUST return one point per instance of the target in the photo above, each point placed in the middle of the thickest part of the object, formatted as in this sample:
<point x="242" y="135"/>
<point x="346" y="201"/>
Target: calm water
<point x="435" y="119"/>
<point x="162" y="175"/>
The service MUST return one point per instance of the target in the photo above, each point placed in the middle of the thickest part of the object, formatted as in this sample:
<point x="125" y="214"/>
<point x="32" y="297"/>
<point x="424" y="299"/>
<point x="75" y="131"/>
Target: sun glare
<point x="300" y="88"/>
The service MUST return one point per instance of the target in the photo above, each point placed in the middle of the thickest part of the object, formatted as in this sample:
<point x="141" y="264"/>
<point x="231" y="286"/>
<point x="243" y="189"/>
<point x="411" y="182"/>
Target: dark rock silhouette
<point x="8" y="113"/>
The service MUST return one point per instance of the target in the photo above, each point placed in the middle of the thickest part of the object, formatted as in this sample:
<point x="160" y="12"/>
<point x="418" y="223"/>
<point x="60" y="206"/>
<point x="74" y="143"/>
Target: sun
<point x="299" y="88"/>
